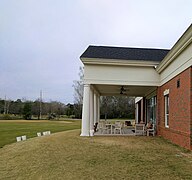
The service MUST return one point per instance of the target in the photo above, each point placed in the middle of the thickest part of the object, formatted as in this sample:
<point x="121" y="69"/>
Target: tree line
<point x="34" y="109"/>
<point x="110" y="107"/>
<point x="118" y="107"/>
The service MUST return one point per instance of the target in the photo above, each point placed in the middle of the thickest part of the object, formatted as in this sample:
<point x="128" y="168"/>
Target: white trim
<point x="178" y="59"/>
<point x="177" y="49"/>
<point x="179" y="69"/>
<point x="166" y="98"/>
<point x="120" y="82"/>
<point x="137" y="99"/>
<point x="98" y="108"/>
<point x="118" y="62"/>
<point x="137" y="113"/>
<point x="166" y="92"/>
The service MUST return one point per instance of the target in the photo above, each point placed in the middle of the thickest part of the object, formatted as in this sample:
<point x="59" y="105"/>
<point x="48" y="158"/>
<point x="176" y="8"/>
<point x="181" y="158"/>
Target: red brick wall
<point x="179" y="130"/>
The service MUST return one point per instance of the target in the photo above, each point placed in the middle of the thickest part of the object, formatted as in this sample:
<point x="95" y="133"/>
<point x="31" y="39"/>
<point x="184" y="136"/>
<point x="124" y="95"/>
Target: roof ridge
<point x="124" y="47"/>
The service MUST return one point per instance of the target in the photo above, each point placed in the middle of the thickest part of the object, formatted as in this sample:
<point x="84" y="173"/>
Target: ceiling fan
<point x="122" y="90"/>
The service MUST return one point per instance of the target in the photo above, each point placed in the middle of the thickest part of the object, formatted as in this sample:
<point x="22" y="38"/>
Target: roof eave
<point x="177" y="49"/>
<point x="118" y="62"/>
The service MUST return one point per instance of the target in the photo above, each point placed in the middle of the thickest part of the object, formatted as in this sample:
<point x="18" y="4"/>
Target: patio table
<point x="110" y="127"/>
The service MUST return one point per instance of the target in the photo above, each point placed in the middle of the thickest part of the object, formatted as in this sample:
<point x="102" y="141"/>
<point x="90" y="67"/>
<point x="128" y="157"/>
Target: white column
<point x="85" y="125"/>
<point x="95" y="107"/>
<point x="98" y="108"/>
<point x="142" y="111"/>
<point x="91" y="109"/>
<point x="136" y="113"/>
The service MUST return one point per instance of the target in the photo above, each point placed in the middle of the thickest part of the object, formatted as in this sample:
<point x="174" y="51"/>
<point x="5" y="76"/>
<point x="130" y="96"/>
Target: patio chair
<point x="103" y="128"/>
<point x="118" y="127"/>
<point x="140" y="129"/>
<point x="151" y="130"/>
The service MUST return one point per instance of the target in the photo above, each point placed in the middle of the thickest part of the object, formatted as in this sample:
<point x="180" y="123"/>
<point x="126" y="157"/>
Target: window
<point x="151" y="110"/>
<point x="166" y="110"/>
<point x="178" y="83"/>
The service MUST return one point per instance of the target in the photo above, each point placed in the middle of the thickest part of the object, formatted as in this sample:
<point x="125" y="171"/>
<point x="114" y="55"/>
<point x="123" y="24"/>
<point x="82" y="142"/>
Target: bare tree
<point x="6" y="105"/>
<point x="78" y="87"/>
<point x="78" y="94"/>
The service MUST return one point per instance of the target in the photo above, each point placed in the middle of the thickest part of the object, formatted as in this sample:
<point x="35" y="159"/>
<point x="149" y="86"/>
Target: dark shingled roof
<point x="125" y="53"/>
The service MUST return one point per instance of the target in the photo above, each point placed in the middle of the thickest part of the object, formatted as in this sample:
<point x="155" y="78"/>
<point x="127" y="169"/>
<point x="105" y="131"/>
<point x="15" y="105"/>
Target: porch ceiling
<point x="114" y="90"/>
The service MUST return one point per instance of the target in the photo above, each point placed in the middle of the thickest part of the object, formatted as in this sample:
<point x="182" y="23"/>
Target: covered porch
<point x="91" y="110"/>
<point x="119" y="71"/>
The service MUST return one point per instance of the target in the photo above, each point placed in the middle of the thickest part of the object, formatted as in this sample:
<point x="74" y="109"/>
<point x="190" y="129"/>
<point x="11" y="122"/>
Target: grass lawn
<point x="66" y="155"/>
<point x="10" y="129"/>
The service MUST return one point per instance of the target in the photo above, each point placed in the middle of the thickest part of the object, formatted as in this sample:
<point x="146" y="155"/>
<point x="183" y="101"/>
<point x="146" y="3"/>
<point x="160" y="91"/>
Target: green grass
<point x="9" y="129"/>
<point x="66" y="155"/>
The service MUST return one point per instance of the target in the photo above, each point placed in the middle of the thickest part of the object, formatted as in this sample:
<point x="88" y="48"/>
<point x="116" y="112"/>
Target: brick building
<point x="161" y="80"/>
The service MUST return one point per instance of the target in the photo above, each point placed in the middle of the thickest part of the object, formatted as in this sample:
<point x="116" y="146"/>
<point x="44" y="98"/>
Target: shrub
<point x="72" y="116"/>
<point x="7" y="117"/>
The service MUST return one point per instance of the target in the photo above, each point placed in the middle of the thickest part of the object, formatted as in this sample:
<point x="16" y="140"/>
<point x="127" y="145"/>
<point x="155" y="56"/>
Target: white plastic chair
<point x="140" y="129"/>
<point x="103" y="128"/>
<point x="118" y="127"/>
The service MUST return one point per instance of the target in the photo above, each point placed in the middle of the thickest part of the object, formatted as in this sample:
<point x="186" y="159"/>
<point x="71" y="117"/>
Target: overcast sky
<point x="41" y="40"/>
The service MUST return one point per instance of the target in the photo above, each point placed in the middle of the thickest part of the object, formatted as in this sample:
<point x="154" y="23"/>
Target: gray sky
<point x="41" y="40"/>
